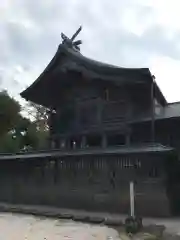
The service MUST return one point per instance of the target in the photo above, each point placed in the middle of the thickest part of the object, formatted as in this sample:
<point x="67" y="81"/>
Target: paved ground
<point x="172" y="224"/>
<point x="21" y="227"/>
<point x="14" y="223"/>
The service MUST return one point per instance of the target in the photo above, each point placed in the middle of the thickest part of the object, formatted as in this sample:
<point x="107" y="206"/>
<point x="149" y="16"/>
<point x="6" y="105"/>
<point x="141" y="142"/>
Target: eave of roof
<point x="94" y="69"/>
<point x="170" y="111"/>
<point x="160" y="95"/>
<point x="100" y="67"/>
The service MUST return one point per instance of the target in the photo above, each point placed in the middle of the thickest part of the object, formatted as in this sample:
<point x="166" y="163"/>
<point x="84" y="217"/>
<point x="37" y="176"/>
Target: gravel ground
<point x="20" y="227"/>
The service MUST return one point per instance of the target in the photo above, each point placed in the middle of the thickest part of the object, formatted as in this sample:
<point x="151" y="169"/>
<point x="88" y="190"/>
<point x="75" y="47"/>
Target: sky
<point x="126" y="33"/>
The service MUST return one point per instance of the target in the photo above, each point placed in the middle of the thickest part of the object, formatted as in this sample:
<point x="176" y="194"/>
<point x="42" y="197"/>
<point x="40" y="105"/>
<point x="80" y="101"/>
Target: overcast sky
<point x="127" y="33"/>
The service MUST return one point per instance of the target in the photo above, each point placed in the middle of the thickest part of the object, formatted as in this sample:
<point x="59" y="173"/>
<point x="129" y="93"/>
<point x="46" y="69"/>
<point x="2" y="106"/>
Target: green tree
<point x="39" y="115"/>
<point x="39" y="130"/>
<point x="9" y="113"/>
<point x="9" y="143"/>
<point x="18" y="133"/>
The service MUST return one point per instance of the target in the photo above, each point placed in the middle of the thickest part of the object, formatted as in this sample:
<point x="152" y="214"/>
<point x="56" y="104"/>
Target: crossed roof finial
<point x="70" y="41"/>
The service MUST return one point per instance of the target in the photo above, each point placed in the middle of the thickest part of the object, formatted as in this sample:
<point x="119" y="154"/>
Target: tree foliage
<point x="9" y="113"/>
<point x="39" y="115"/>
<point x="18" y="133"/>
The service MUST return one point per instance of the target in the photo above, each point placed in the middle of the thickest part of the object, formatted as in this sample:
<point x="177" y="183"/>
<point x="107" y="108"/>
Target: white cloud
<point x="133" y="33"/>
<point x="167" y="75"/>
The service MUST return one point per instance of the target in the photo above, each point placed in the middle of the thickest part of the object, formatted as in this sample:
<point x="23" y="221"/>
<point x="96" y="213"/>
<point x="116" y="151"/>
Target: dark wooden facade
<point x="104" y="124"/>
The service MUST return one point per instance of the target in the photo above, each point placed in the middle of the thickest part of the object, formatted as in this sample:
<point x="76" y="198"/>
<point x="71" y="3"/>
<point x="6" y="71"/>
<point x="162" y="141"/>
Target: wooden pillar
<point x="56" y="142"/>
<point x="56" y="171"/>
<point x="63" y="143"/>
<point x="68" y="143"/>
<point x="49" y="142"/>
<point x="74" y="144"/>
<point x="83" y="142"/>
<point x="153" y="110"/>
<point x="127" y="139"/>
<point x="99" y="112"/>
<point x="104" y="140"/>
<point x="53" y="143"/>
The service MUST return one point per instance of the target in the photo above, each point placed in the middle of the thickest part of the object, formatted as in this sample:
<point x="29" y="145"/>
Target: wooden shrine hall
<point x="108" y="126"/>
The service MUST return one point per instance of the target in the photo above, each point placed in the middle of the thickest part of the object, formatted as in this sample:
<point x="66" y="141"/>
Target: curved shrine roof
<point x="100" y="67"/>
<point x="68" y="59"/>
